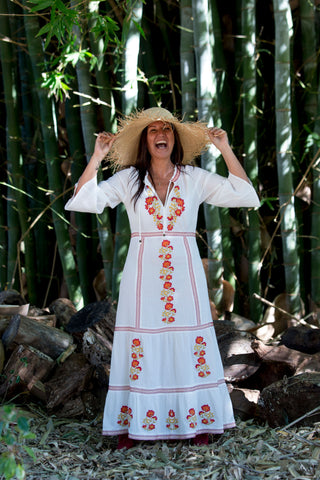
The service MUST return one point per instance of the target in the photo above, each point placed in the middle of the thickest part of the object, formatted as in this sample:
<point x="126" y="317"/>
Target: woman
<point x="166" y="379"/>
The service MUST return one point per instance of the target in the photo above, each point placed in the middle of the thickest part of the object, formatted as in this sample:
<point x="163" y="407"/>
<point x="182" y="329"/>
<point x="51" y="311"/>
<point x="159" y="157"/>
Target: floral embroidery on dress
<point x="153" y="206"/>
<point x="125" y="416"/>
<point x="149" y="423"/>
<point x="206" y="415"/>
<point x="176" y="208"/>
<point x="136" y="354"/>
<point x="201" y="366"/>
<point x="167" y="293"/>
<point x="172" y="421"/>
<point x="192" y="418"/>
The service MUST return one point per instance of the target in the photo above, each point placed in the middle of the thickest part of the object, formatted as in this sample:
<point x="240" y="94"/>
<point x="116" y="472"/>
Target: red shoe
<point x="125" y="442"/>
<point x="201" y="439"/>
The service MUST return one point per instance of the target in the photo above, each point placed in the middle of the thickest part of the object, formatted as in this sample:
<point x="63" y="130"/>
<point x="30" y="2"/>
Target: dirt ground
<point x="73" y="450"/>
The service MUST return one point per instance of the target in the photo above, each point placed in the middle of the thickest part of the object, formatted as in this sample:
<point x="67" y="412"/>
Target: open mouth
<point x="161" y="144"/>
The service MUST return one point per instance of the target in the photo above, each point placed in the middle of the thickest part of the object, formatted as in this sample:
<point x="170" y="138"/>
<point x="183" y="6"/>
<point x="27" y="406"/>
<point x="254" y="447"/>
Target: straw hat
<point x="193" y="136"/>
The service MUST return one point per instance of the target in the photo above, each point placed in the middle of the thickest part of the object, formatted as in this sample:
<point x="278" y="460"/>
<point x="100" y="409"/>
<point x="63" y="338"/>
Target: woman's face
<point x="160" y="140"/>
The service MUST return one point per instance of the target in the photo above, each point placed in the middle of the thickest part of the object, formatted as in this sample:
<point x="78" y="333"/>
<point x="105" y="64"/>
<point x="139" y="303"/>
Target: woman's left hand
<point x="218" y="137"/>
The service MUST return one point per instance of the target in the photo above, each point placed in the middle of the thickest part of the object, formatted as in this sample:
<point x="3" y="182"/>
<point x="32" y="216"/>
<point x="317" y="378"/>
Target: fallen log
<point x="69" y="380"/>
<point x="303" y="338"/>
<point x="238" y="357"/>
<point x="25" y="367"/>
<point x="289" y="399"/>
<point x="49" y="340"/>
<point x="99" y="316"/>
<point x="63" y="309"/>
<point x="298" y="362"/>
<point x="244" y="401"/>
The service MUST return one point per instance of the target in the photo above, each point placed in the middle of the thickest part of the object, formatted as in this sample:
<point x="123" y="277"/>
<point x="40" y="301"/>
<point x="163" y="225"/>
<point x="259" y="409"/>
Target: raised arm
<point x="219" y="138"/>
<point x="103" y="145"/>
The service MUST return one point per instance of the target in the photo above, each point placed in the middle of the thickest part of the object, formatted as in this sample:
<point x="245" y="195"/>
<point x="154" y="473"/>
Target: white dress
<point x="166" y="379"/>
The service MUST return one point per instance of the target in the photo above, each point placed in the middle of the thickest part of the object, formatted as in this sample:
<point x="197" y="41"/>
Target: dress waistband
<point x="163" y="234"/>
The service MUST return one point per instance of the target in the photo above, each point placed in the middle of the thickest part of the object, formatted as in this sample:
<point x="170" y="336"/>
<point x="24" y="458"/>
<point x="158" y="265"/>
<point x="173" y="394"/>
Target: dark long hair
<point x="144" y="159"/>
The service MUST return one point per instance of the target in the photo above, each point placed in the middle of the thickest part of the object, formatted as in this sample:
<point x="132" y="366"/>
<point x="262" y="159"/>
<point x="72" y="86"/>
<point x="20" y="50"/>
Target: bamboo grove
<point x="72" y="68"/>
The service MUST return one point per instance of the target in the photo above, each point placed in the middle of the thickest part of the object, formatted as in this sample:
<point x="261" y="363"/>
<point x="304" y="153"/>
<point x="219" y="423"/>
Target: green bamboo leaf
<point x="45" y="29"/>
<point x="41" y="5"/>
<point x="139" y="28"/>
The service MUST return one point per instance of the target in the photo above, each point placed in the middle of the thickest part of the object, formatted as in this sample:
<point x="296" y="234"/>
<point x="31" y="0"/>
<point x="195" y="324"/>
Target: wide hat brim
<point x="193" y="136"/>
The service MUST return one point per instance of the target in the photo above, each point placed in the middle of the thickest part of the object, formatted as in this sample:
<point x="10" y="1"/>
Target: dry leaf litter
<point x="75" y="450"/>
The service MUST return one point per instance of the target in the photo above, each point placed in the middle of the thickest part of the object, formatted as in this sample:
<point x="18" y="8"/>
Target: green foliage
<point x="14" y="432"/>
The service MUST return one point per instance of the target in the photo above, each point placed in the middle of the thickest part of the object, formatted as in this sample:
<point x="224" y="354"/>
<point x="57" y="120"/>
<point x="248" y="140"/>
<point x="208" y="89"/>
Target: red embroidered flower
<point x="165" y="243"/>
<point x="191" y="418"/>
<point x="171" y="413"/>
<point x="125" y="416"/>
<point x="206" y="415"/>
<point x="205" y="408"/>
<point x="136" y="352"/>
<point x="150" y="413"/>
<point x="202" y="367"/>
<point x="168" y="306"/>
<point x="167" y="285"/>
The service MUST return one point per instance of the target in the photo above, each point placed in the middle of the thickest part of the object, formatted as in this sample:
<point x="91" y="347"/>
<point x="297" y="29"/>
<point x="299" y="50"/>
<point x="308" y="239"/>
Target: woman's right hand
<point x="103" y="145"/>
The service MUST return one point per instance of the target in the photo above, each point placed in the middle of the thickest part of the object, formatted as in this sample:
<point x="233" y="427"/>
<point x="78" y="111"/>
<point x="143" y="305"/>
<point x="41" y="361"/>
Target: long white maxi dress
<point x="166" y="379"/>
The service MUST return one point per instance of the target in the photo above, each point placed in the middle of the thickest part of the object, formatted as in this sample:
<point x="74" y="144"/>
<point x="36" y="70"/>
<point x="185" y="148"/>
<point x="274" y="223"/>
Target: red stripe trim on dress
<point x="172" y="328"/>
<point x="154" y="391"/>
<point x="163" y="234"/>
<point x="139" y="281"/>
<point x="169" y="437"/>
<point x="193" y="281"/>
<point x="177" y="175"/>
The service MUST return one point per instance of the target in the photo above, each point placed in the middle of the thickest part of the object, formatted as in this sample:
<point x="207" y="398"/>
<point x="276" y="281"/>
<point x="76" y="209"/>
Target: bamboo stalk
<point x="14" y="154"/>
<point x="250" y="150"/>
<point x="48" y="124"/>
<point x="129" y="102"/>
<point x="283" y="32"/>
<point x="89" y="126"/>
<point x="208" y="110"/>
<point x="187" y="62"/>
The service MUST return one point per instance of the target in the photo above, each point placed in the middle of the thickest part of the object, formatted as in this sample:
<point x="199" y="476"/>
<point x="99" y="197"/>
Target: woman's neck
<point x="161" y="169"/>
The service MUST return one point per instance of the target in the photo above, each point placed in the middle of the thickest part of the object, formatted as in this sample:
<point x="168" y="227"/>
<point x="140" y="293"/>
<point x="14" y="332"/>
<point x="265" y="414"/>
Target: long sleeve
<point x="230" y="191"/>
<point x="93" y="197"/>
